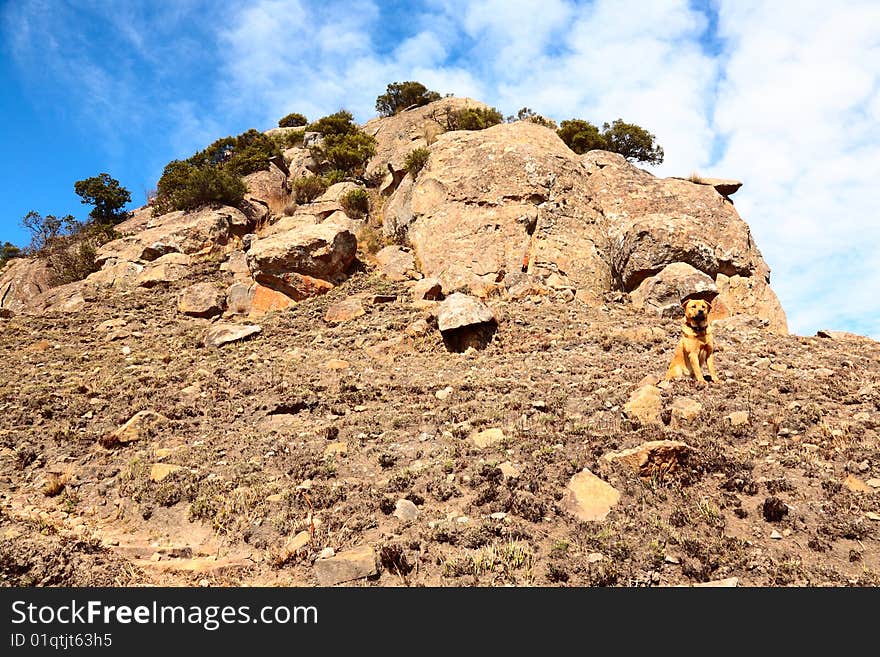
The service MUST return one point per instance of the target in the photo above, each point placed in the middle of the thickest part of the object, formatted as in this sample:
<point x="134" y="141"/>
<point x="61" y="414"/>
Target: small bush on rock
<point x="292" y="120"/>
<point x="184" y="186"/>
<point x="474" y="118"/>
<point x="416" y="161"/>
<point x="346" y="147"/>
<point x="356" y="203"/>
<point x="308" y="188"/>
<point x="399" y="96"/>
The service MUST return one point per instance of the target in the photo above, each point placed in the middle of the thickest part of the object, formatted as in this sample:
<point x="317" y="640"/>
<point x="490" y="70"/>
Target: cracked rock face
<point x="515" y="199"/>
<point x="511" y="198"/>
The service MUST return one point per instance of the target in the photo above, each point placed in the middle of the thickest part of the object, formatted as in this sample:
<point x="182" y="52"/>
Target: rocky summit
<point x="460" y="386"/>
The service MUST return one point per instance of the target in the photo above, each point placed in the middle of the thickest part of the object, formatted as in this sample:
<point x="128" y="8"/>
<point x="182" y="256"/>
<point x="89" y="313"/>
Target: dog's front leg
<point x="710" y="363"/>
<point x="694" y="360"/>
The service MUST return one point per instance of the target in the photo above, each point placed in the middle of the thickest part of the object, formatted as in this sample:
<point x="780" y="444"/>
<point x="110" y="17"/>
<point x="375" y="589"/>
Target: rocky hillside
<point x="461" y="387"/>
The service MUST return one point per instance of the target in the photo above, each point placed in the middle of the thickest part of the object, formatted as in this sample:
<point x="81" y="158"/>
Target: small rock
<point x="334" y="449"/>
<point x="856" y="485"/>
<point x="443" y="393"/>
<point x="141" y="425"/>
<point x="418" y="328"/>
<point x="499" y="515"/>
<point x="459" y="310"/>
<point x="873" y="483"/>
<point x="298" y="542"/>
<point x="336" y="364"/>
<point x="405" y="510"/>
<point x="653" y="457"/>
<point x="428" y="289"/>
<point x="487" y="438"/>
<point x="396" y="263"/>
<point x="201" y="300"/>
<point x="729" y="582"/>
<point x="738" y="418"/>
<point x="870" y="515"/>
<point x="126" y="350"/>
<point x="220" y="334"/>
<point x="348" y="565"/>
<point x="779" y="367"/>
<point x="588" y="498"/>
<point x="644" y="405"/>
<point x="509" y="470"/>
<point x="671" y="559"/>
<point x="685" y="408"/>
<point x="160" y="471"/>
<point x="823" y="372"/>
<point x="344" y="311"/>
<point x="775" y="535"/>
<point x="327" y="553"/>
<point x="595" y="557"/>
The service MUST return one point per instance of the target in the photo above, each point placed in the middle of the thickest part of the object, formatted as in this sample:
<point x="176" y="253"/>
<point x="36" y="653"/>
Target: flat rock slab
<point x="653" y="457"/>
<point x="142" y="424"/>
<point x="589" y="498"/>
<point x="487" y="438"/>
<point x="459" y="310"/>
<point x="201" y="300"/>
<point x="220" y="334"/>
<point x="345" y="310"/>
<point x="396" y="263"/>
<point x="348" y="565"/>
<point x="644" y="405"/>
<point x="160" y="471"/>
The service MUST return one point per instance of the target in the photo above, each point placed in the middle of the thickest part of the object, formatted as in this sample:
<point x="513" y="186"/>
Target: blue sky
<point x="782" y="95"/>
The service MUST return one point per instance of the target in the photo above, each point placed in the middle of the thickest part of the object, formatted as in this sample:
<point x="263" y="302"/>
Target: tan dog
<point x="696" y="346"/>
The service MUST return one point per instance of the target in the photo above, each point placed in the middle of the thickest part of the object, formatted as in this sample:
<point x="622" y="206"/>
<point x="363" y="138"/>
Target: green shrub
<point x="308" y="188"/>
<point x="356" y="203"/>
<point x="346" y="147"/>
<point x="581" y="136"/>
<point x="416" y="160"/>
<point x="8" y="251"/>
<point x="473" y="118"/>
<point x="248" y="152"/>
<point x="349" y="153"/>
<point x="289" y="139"/>
<point x="108" y="197"/>
<point x="630" y="140"/>
<point x="292" y="120"/>
<point x="184" y="186"/>
<point x="334" y="176"/>
<point x="400" y="95"/>
<point x="340" y="123"/>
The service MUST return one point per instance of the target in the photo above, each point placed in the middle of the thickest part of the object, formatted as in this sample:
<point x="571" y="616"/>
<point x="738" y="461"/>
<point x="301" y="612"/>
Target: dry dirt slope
<point x="270" y="432"/>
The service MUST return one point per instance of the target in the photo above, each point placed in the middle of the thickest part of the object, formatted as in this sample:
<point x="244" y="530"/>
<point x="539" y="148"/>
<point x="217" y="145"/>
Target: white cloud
<point x="798" y="109"/>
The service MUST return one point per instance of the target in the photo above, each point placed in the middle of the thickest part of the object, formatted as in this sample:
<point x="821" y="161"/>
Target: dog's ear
<point x="708" y="305"/>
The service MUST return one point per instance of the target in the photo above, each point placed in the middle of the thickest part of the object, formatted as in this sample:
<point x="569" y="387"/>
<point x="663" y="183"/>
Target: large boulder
<point x="515" y="199"/>
<point x="268" y="188"/>
<point x="200" y="232"/>
<point x="658" y="221"/>
<point x="398" y="135"/>
<point x="506" y="199"/>
<point x="302" y="261"/>
<point x="21" y="280"/>
<point x="664" y="292"/>
<point x="747" y="295"/>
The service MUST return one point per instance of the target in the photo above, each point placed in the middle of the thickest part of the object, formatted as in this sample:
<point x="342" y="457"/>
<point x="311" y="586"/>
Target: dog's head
<point x="696" y="312"/>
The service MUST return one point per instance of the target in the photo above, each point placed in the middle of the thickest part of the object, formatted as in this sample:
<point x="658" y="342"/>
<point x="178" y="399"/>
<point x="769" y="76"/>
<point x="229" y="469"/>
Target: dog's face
<point x="696" y="311"/>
